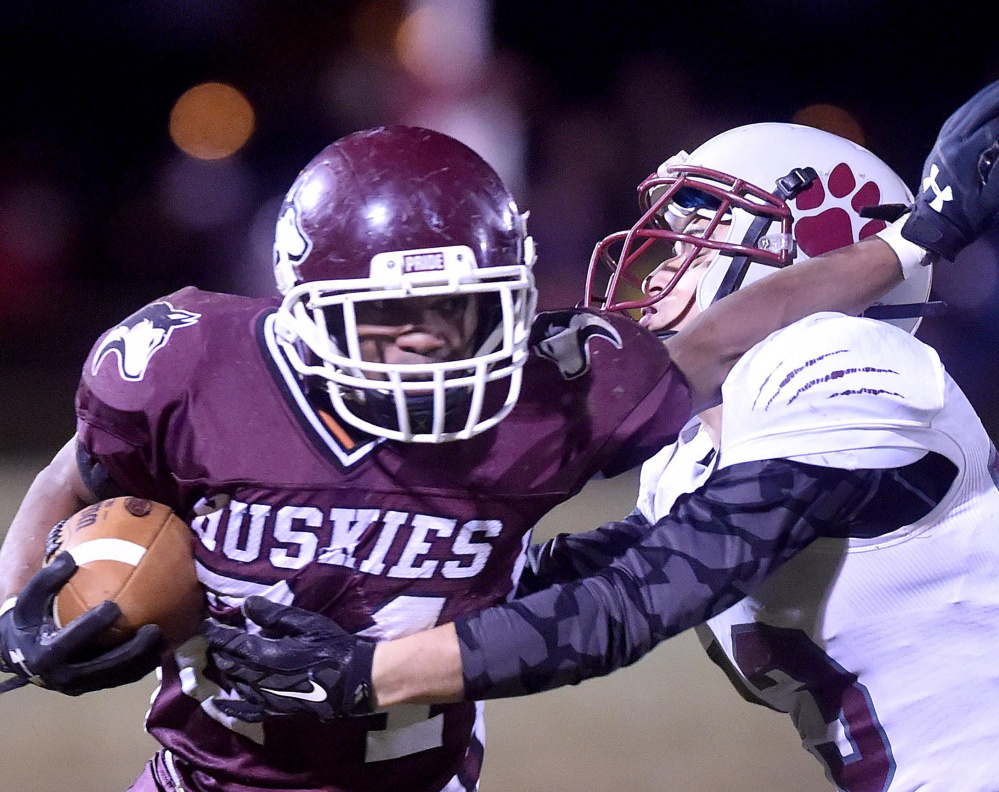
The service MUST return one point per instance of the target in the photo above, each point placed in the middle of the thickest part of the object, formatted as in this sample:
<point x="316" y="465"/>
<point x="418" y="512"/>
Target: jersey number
<point x="408" y="728"/>
<point x="858" y="757"/>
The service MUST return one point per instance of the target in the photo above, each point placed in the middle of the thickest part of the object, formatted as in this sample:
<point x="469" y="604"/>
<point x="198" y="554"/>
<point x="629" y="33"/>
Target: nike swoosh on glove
<point x="958" y="196"/>
<point x="68" y="659"/>
<point x="301" y="663"/>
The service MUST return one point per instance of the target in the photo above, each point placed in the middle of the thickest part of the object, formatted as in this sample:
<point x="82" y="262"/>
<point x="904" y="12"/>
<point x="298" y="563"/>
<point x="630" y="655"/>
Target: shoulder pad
<point x="148" y="361"/>
<point x="132" y="344"/>
<point x="177" y="328"/>
<point x="825" y="384"/>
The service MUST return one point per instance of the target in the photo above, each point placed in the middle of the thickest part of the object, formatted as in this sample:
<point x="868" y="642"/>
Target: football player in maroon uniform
<point x="373" y="446"/>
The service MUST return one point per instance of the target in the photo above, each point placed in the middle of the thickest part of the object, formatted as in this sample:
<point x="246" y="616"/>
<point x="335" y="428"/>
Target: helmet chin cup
<point x="417" y="414"/>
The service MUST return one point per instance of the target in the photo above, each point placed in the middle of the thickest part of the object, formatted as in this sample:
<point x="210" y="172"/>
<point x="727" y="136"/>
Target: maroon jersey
<point x="191" y="402"/>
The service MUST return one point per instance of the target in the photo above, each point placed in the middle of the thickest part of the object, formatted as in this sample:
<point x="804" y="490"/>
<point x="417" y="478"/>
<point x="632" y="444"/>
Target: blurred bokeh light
<point x="150" y="147"/>
<point x="831" y="118"/>
<point x="445" y="43"/>
<point x="211" y="121"/>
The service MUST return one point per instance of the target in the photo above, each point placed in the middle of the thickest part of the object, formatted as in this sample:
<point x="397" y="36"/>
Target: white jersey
<point x="882" y="650"/>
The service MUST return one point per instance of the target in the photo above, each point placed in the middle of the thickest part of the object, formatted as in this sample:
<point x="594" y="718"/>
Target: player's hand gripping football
<point x="958" y="196"/>
<point x="300" y="663"/>
<point x="68" y="659"/>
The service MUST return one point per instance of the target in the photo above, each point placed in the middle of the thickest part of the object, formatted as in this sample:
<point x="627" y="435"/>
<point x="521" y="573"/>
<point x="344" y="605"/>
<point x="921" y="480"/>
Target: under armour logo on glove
<point x="959" y="194"/>
<point x="930" y="183"/>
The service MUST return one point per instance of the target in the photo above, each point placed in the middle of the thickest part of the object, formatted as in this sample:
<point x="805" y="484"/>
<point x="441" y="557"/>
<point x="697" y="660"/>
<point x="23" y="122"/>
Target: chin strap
<point x="794" y="183"/>
<point x="906" y="310"/>
<point x="911" y="259"/>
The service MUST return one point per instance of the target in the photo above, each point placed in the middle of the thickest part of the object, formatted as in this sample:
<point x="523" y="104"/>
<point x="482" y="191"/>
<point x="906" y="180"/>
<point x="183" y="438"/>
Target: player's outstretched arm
<point x="678" y="573"/>
<point x="847" y="280"/>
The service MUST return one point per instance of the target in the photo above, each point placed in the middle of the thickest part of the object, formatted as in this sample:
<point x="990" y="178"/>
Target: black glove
<point x="68" y="659"/>
<point x="959" y="194"/>
<point x="300" y="663"/>
<point x="546" y="566"/>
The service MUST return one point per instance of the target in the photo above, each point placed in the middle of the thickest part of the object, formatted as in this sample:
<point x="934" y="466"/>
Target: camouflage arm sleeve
<point x="713" y="548"/>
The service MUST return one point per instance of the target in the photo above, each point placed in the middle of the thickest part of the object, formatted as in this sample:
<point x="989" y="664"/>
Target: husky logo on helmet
<point x="291" y="246"/>
<point x="565" y="339"/>
<point x="139" y="337"/>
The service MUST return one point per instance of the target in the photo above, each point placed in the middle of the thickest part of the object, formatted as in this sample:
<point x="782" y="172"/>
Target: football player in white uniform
<point x="833" y="523"/>
<point x="874" y="480"/>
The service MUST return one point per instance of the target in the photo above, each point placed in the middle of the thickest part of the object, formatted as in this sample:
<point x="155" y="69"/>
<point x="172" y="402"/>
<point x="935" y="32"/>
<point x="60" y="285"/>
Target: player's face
<point x="418" y="329"/>
<point x="679" y="307"/>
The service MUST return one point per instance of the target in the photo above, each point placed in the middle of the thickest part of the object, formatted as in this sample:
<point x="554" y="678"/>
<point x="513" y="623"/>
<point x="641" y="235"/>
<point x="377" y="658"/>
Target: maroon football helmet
<point x="395" y="213"/>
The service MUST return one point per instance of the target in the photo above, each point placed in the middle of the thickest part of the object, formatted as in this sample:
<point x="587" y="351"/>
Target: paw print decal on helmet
<point x="828" y="214"/>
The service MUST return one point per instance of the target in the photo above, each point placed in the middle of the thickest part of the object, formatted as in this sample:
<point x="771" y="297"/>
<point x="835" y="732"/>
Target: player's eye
<point x="690" y="199"/>
<point x="683" y="248"/>
<point x="373" y="312"/>
<point x="451" y="306"/>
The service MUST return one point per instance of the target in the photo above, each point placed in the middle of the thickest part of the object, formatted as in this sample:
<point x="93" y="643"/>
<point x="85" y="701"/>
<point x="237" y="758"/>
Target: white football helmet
<point x="755" y="178"/>
<point x="391" y="214"/>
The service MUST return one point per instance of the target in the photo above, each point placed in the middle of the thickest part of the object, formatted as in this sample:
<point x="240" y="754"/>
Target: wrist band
<point x="910" y="255"/>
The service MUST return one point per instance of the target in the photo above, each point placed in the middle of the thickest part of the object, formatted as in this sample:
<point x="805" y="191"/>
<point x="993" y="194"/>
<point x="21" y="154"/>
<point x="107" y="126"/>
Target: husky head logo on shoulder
<point x="137" y="338"/>
<point x="563" y="337"/>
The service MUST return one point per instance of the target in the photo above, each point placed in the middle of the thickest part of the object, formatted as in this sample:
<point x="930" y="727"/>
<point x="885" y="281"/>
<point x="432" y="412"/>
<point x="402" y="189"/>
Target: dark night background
<point x="100" y="211"/>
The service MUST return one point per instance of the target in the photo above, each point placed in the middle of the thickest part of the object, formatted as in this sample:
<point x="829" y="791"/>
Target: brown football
<point x="137" y="553"/>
